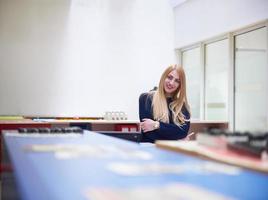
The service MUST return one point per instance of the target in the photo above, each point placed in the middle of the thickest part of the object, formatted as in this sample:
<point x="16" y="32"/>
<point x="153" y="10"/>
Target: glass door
<point x="216" y="80"/>
<point x="193" y="71"/>
<point x="251" y="81"/>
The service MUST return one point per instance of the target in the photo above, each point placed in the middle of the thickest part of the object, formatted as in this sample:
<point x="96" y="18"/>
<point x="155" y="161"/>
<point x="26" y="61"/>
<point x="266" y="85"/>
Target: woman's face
<point x="171" y="83"/>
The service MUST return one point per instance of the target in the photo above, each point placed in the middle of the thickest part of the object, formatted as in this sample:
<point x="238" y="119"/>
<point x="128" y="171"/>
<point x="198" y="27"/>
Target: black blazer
<point x="166" y="131"/>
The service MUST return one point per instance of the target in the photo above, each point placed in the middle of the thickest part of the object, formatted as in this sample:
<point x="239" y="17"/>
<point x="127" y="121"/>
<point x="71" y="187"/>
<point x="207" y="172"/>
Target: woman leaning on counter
<point x="165" y="112"/>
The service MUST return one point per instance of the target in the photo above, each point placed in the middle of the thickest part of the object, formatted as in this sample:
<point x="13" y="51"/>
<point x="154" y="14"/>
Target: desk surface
<point x="97" y="167"/>
<point x="219" y="153"/>
<point x="95" y="121"/>
<point x="61" y="121"/>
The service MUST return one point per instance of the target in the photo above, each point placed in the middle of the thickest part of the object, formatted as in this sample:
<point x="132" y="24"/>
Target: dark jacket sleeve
<point x="166" y="131"/>
<point x="145" y="104"/>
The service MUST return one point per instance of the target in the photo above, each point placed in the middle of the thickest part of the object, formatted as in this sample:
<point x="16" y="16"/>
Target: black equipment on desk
<point x="256" y="144"/>
<point x="55" y="130"/>
<point x="131" y="136"/>
<point x="251" y="143"/>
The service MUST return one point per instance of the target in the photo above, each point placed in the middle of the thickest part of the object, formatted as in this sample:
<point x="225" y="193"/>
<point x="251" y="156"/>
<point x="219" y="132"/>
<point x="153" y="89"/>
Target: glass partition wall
<point x="216" y="80"/>
<point x="227" y="78"/>
<point x="191" y="64"/>
<point x="251" y="81"/>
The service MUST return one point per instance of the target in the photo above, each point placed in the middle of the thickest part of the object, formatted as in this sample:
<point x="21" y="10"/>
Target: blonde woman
<point x="165" y="113"/>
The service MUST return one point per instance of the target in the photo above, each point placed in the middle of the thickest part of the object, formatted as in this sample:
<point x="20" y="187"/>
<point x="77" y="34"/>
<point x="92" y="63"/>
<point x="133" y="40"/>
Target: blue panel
<point x="41" y="175"/>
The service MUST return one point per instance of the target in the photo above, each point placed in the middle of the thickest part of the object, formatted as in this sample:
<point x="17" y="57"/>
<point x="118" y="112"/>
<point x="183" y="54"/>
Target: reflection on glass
<point x="216" y="80"/>
<point x="191" y="64"/>
<point x="251" y="75"/>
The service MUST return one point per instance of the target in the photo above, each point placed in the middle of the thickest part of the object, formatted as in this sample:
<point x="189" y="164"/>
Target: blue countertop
<point x="87" y="165"/>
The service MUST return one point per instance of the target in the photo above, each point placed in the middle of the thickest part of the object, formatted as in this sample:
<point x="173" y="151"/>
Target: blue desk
<point x="43" y="173"/>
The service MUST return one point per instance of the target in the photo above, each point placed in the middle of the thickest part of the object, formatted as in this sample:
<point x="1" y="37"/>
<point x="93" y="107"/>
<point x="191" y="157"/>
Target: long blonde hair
<point x="159" y="103"/>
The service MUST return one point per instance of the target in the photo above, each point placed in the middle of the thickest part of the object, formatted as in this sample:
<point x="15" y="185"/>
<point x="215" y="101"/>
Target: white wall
<point x="81" y="57"/>
<point x="197" y="20"/>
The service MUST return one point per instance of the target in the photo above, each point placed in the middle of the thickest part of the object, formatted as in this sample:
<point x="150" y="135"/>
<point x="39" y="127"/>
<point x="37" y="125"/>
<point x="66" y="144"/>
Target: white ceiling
<point x="175" y="3"/>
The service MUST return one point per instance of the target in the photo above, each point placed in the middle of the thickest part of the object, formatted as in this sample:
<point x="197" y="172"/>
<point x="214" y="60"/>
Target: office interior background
<point x="86" y="57"/>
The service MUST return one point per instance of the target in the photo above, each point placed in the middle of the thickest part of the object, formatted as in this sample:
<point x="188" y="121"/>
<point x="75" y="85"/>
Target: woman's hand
<point x="149" y="125"/>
